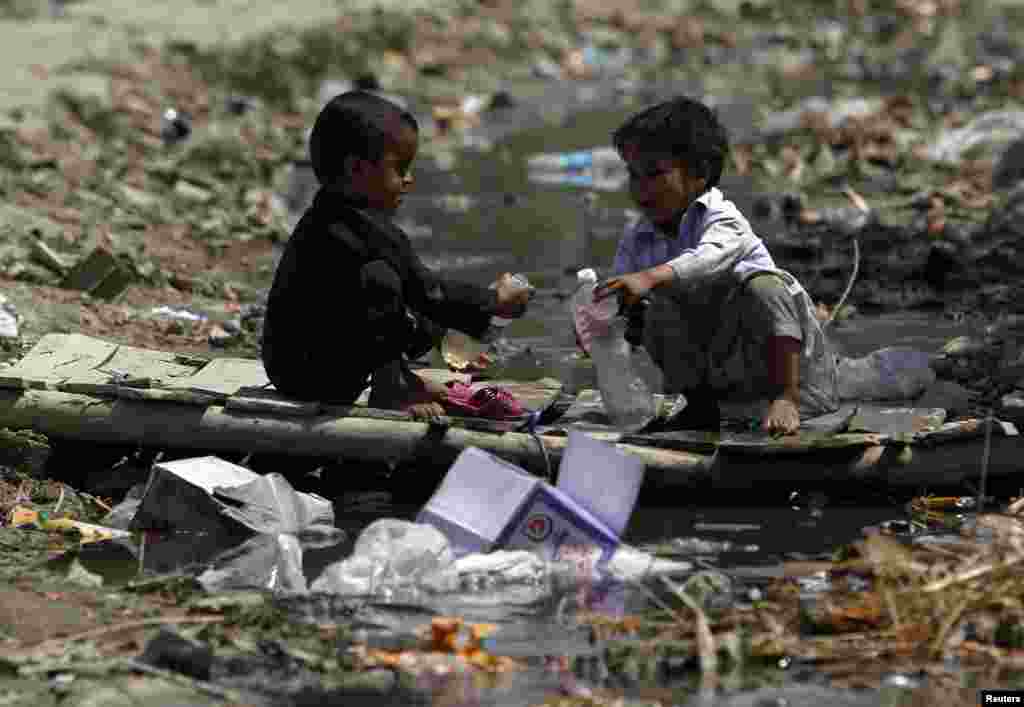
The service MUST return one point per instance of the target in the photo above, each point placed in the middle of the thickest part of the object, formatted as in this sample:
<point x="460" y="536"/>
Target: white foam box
<point x="485" y="503"/>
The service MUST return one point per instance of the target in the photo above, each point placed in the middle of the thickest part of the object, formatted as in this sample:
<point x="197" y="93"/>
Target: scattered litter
<point x="101" y="274"/>
<point x="239" y="105"/>
<point x="48" y="257"/>
<point x="209" y="493"/>
<point x="600" y="168"/>
<point x="993" y="128"/>
<point x="175" y="126"/>
<point x="388" y="555"/>
<point x="485" y="503"/>
<point x="21" y="517"/>
<point x="8" y="319"/>
<point x="182" y="314"/>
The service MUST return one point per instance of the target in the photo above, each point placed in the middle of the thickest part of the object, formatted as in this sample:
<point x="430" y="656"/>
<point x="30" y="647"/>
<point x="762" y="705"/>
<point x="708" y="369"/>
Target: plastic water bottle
<point x="521" y="283"/>
<point x="599" y="168"/>
<point x="578" y="160"/>
<point x="461" y="350"/>
<point x="601" y="330"/>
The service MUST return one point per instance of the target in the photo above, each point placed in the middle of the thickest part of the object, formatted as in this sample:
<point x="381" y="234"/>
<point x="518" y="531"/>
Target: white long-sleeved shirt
<point x="714" y="242"/>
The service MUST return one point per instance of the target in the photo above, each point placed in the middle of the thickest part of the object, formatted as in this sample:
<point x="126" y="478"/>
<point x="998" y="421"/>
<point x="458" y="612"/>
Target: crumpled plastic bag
<point x="269" y="504"/>
<point x="263" y="562"/>
<point x="388" y="554"/>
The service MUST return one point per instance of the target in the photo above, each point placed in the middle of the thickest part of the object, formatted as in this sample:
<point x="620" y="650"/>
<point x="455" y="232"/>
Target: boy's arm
<point x="723" y="244"/>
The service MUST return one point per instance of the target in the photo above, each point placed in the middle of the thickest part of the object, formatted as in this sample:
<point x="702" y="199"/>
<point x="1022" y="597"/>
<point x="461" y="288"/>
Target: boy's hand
<point x="512" y="298"/>
<point x="634" y="286"/>
<point x="782" y="418"/>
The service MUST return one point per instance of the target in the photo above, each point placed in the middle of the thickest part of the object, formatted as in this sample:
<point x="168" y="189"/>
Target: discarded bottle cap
<point x="175" y="126"/>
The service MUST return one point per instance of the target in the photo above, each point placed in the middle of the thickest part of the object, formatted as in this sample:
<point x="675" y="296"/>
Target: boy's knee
<point x="768" y="288"/>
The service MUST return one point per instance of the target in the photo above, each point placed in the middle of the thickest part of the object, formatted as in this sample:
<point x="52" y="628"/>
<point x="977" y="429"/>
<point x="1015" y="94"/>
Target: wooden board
<point x="83" y="364"/>
<point x="224" y="377"/>
<point x="55" y="359"/>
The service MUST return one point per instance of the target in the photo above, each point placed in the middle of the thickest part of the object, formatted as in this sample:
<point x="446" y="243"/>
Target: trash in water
<point x="209" y="493"/>
<point x="484" y="503"/>
<point x="605" y="480"/>
<point x="265" y="561"/>
<point x="225" y="504"/>
<point x="389" y="554"/>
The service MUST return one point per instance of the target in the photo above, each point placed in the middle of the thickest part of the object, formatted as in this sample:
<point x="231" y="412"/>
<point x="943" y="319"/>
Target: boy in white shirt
<point x="729" y="329"/>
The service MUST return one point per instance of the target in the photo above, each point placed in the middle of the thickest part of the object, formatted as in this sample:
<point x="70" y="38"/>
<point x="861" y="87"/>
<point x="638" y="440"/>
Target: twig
<point x="705" y="639"/>
<point x="60" y="501"/>
<point x="127" y="625"/>
<point x="970" y="574"/>
<point x="986" y="454"/>
<point x="861" y="204"/>
<point x="849" y="285"/>
<point x="98" y="501"/>
<point x="950" y="620"/>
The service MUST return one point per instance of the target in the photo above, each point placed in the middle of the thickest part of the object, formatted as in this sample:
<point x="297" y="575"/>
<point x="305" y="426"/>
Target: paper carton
<point x="553" y="525"/>
<point x="476" y="500"/>
<point x="485" y="503"/>
<point x="601" y="478"/>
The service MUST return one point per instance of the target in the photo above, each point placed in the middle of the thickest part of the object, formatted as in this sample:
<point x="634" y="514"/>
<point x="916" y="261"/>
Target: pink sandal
<point x="489" y="401"/>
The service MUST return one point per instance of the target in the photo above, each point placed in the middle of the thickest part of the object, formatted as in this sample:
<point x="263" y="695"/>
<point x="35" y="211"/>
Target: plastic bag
<point x="388" y="554"/>
<point x="602" y="333"/>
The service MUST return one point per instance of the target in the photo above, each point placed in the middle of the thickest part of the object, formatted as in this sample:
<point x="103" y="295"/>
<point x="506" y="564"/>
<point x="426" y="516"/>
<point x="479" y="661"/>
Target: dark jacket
<point x="343" y="302"/>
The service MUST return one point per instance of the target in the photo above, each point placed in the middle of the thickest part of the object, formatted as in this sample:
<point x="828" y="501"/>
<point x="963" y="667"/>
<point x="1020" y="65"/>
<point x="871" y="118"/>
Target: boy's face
<point x="660" y="184"/>
<point x="383" y="182"/>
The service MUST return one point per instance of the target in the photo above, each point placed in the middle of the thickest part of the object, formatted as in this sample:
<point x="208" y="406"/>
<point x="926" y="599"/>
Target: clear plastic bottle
<point x="460" y="350"/>
<point x="601" y="330"/>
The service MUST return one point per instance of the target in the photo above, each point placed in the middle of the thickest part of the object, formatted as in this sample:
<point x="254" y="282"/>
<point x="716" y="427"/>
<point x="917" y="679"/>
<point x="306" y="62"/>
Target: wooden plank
<point x="269" y="401"/>
<point x="88" y="418"/>
<point x="57" y="358"/>
<point x="224" y="377"/>
<point x="161" y="368"/>
<point x="467" y="423"/>
<point x="892" y="420"/>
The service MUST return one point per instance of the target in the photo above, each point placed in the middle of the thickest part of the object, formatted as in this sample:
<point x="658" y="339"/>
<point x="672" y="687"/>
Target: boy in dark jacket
<point x="351" y="300"/>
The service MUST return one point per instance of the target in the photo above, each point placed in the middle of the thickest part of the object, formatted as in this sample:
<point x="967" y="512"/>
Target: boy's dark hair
<point x="356" y="123"/>
<point x="685" y="128"/>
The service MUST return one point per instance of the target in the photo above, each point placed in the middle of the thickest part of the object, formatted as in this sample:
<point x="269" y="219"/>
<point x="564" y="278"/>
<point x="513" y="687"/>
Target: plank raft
<point x="70" y="386"/>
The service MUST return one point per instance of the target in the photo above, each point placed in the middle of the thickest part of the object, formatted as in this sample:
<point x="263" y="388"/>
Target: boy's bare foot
<point x="404" y="390"/>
